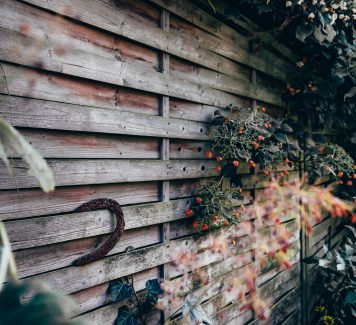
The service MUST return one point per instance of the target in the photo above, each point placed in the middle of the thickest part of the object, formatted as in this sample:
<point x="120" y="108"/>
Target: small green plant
<point x="251" y="136"/>
<point x="326" y="159"/>
<point x="214" y="207"/>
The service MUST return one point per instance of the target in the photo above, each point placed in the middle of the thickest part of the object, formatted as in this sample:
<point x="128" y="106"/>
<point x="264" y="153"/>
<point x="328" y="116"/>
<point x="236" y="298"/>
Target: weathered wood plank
<point x="237" y="50"/>
<point x="283" y="308"/>
<point x="40" y="84"/>
<point x="100" y="171"/>
<point x="200" y="112"/>
<point x="99" y="295"/>
<point x="33" y="202"/>
<point x="41" y="231"/>
<point x="67" y="144"/>
<point x="322" y="230"/>
<point x="26" y="82"/>
<point x="32" y="261"/>
<point x="72" y="279"/>
<point x="215" y="264"/>
<point x="293" y="318"/>
<point x="78" y="59"/>
<point x="34" y="113"/>
<point x="281" y="283"/>
<point x="113" y="70"/>
<point x="188" y="149"/>
<point x="232" y="315"/>
<point x="105" y="16"/>
<point x="235" y="85"/>
<point x="208" y="295"/>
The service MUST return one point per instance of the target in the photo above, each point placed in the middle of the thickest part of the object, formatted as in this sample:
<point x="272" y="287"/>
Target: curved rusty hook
<point x="109" y="244"/>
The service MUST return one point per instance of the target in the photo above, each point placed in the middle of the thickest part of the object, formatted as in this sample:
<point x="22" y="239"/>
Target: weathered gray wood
<point x="216" y="265"/>
<point x="283" y="308"/>
<point x="98" y="171"/>
<point x="236" y="50"/>
<point x="32" y="261"/>
<point x="50" y="115"/>
<point x="104" y="15"/>
<point x="99" y="295"/>
<point x="281" y="283"/>
<point x="235" y="85"/>
<point x="80" y="59"/>
<point x="293" y="318"/>
<point x="72" y="279"/>
<point x="118" y="73"/>
<point x="26" y="82"/>
<point x="67" y="144"/>
<point x="33" y="202"/>
<point x="232" y="315"/>
<point x="219" y="272"/>
<point x="54" y="229"/>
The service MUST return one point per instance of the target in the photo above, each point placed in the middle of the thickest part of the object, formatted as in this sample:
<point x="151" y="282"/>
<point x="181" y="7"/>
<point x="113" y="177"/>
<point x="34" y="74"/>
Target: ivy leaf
<point x="350" y="93"/>
<point x="120" y="291"/>
<point x="294" y="145"/>
<point x="286" y="128"/>
<point x="281" y="137"/>
<point x="125" y="317"/>
<point x="350" y="297"/>
<point x="303" y="31"/>
<point x="153" y="290"/>
<point x="11" y="141"/>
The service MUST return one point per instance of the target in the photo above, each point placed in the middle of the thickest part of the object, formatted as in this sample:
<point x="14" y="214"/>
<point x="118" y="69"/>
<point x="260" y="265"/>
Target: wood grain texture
<point x="49" y="115"/>
<point x="118" y="98"/>
<point x="66" y="54"/>
<point x="100" y="171"/>
<point x="42" y="231"/>
<point x="36" y="260"/>
<point x="106" y="16"/>
<point x="33" y="202"/>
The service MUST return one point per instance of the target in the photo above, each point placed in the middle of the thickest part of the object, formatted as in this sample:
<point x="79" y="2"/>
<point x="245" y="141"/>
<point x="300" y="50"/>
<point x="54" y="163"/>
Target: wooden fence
<point x="117" y="96"/>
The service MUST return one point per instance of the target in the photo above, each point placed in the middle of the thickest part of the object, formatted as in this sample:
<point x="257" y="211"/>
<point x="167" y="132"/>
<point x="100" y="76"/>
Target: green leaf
<point x="12" y="142"/>
<point x="45" y="307"/>
<point x="125" y="317"/>
<point x="303" y="31"/>
<point x="153" y="290"/>
<point x="120" y="291"/>
<point x="350" y="297"/>
<point x="281" y="137"/>
<point x="286" y="128"/>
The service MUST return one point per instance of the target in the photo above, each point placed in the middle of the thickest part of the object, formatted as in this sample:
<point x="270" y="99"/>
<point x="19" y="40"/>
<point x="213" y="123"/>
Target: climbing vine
<point x="321" y="87"/>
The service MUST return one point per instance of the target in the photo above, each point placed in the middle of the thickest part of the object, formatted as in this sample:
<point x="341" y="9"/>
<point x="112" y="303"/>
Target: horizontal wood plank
<point x="100" y="171"/>
<point x="105" y="16"/>
<point x="34" y="113"/>
<point x="36" y="260"/>
<point x="41" y="231"/>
